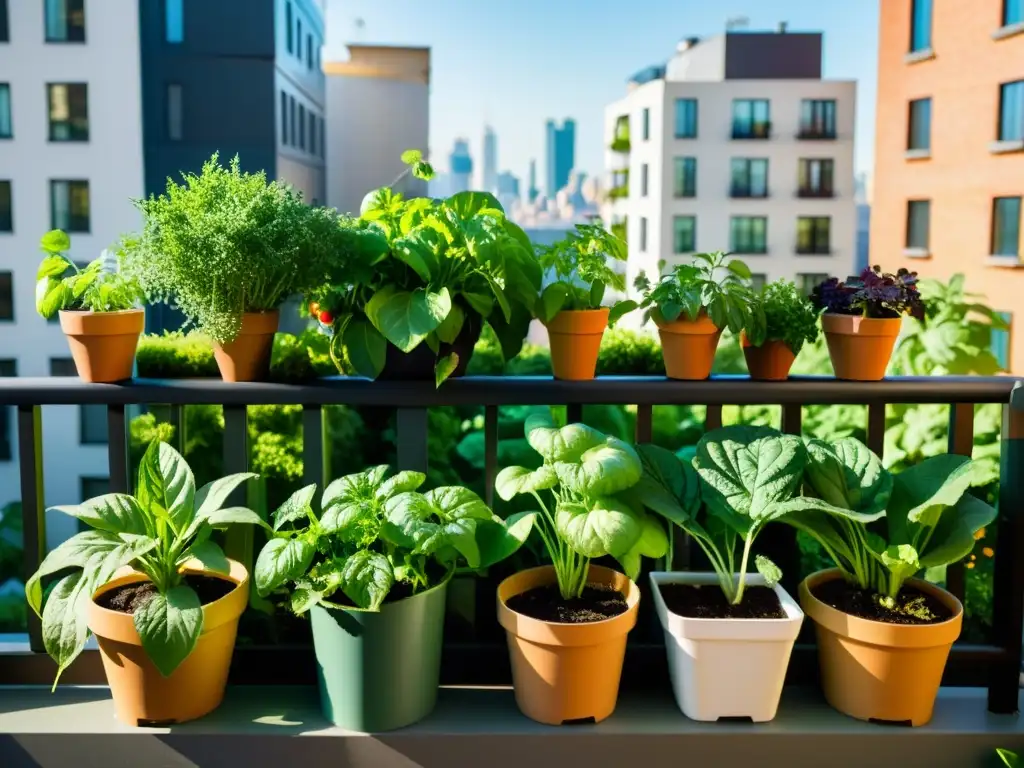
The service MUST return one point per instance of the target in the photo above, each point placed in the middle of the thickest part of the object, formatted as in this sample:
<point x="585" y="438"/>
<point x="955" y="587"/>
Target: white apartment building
<point x="737" y="144"/>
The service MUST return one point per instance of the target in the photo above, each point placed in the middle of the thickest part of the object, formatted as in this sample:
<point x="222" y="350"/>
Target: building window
<point x="808" y="281"/>
<point x="6" y="125"/>
<point x="284" y="118"/>
<point x="1011" y="111"/>
<point x="323" y="143"/>
<point x="92" y="419"/>
<point x="818" y="119"/>
<point x="65" y="21"/>
<point x="292" y="112"/>
<point x="919" y="124"/>
<point x="812" y="234"/>
<point x="748" y="234"/>
<point x="69" y="205"/>
<point x="686" y="118"/>
<point x="749" y="178"/>
<point x="646" y="124"/>
<point x="1013" y="12"/>
<point x="918" y="218"/>
<point x="999" y="341"/>
<point x="920" y="25"/>
<point x="91" y="487"/>
<point x="644" y="174"/>
<point x="309" y="52"/>
<point x="758" y="280"/>
<point x="4" y="31"/>
<point x="312" y="133"/>
<point x="643" y="234"/>
<point x="302" y="127"/>
<point x="685" y="177"/>
<point x="751" y="119"/>
<point x="288" y="27"/>
<point x="298" y="38"/>
<point x="69" y="111"/>
<point x="8" y="368"/>
<point x="1006" y="226"/>
<point x="7" y="296"/>
<point x="6" y="207"/>
<point x="816" y="177"/>
<point x="684" y="234"/>
<point x="175" y="110"/>
<point x="174" y="21"/>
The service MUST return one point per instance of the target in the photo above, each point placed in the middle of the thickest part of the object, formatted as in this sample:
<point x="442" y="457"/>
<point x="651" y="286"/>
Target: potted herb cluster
<point x="693" y="304"/>
<point x="372" y="569"/>
<point x="156" y="590"/>
<point x="98" y="307"/>
<point x="862" y="318"/>
<point x="790" y="321"/>
<point x="567" y="622"/>
<point x="570" y="306"/>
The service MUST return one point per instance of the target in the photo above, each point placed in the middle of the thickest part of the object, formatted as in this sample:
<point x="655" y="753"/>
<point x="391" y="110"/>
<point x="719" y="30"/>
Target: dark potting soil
<point x="130" y="597"/>
<point x="707" y="601"/>
<point x="912" y="606"/>
<point x="597" y="603"/>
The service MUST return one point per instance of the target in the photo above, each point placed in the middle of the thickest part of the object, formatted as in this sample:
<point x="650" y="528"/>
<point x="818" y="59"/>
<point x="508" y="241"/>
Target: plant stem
<point x="742" y="576"/>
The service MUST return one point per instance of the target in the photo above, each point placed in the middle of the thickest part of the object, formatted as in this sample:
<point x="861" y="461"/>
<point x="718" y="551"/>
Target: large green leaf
<point x="604" y="469"/>
<point x="445" y="367"/>
<point x="510" y="332"/>
<point x="460" y="534"/>
<point x="408" y="524"/>
<point x="497" y="540"/>
<point x="512" y="481"/>
<point x="295" y="508"/>
<point x="346" y="519"/>
<point x="52" y="295"/>
<point x="560" y="444"/>
<point x="55" y="241"/>
<point x="454" y="502"/>
<point x="365" y="348"/>
<point x="166" y="488"/>
<point x="113" y="513"/>
<point x="169" y="626"/>
<point x="653" y="542"/>
<point x="419" y="249"/>
<point x="921" y="492"/>
<point x="280" y="561"/>
<point x="72" y="553"/>
<point x="210" y="555"/>
<point x="607" y="527"/>
<point x="449" y="330"/>
<point x="64" y="623"/>
<point x="400" y="482"/>
<point x="366" y="579"/>
<point x="470" y="204"/>
<point x="953" y="537"/>
<point x="406" y="317"/>
<point x="213" y="496"/>
<point x="552" y="299"/>
<point x="668" y="486"/>
<point x="848" y="476"/>
<point x="221" y="518"/>
<point x="52" y="266"/>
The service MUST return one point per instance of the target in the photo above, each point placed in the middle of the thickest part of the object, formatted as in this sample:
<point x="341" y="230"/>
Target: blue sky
<point x="515" y="63"/>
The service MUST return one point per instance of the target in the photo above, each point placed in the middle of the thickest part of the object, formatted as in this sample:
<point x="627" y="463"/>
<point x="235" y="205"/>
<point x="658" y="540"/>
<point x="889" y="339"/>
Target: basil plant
<point x="929" y="517"/>
<point x="374" y="531"/>
<point x="585" y="476"/>
<point x="166" y="524"/>
<point x="741" y="479"/>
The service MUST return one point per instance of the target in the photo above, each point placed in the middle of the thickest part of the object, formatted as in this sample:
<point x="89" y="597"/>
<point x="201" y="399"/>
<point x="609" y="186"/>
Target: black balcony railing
<point x="747" y="130"/>
<point x="478" y="655"/>
<point x="816" y="133"/>
<point x="820" y="192"/>
<point x="747" y="191"/>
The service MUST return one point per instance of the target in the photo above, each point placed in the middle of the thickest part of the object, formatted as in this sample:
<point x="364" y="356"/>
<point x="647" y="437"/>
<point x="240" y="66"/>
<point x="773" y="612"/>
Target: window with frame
<point x="302" y="127"/>
<point x="684" y="234"/>
<point x="684" y="181"/>
<point x="92" y="419"/>
<point x="312" y="133"/>
<point x="919" y="124"/>
<point x="7" y="296"/>
<point x="1011" y="111"/>
<point x="813" y="235"/>
<point x="818" y="119"/>
<point x="293" y="119"/>
<point x="69" y="205"/>
<point x="289" y="30"/>
<point x="1006" y="226"/>
<point x="309" y="52"/>
<point x="686" y="118"/>
<point x="749" y="177"/>
<point x="323" y="143"/>
<point x="174" y="21"/>
<point x="751" y="119"/>
<point x="91" y="487"/>
<point x="758" y="280"/>
<point x="1013" y="12"/>
<point x="175" y="112"/>
<point x="5" y="34"/>
<point x="69" y="111"/>
<point x="646" y="123"/>
<point x="8" y="368"/>
<point x="298" y="38"/>
<point x="65" y="21"/>
<point x="808" y="281"/>
<point x="643" y="234"/>
<point x="748" y="234"/>
<point x="284" y="118"/>
<point x="999" y="342"/>
<point x="920" y="25"/>
<point x="6" y="123"/>
<point x="644" y="179"/>
<point x="918" y="223"/>
<point x="815" y="177"/>
<point x="6" y="207"/>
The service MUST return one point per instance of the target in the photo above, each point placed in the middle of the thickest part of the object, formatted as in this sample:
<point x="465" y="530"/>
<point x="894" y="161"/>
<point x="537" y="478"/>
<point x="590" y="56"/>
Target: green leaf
<point x="921" y="492"/>
<point x="233" y="516"/>
<point x="605" y="469"/>
<point x="366" y="579"/>
<point x="953" y="537"/>
<point x="552" y="299"/>
<point x="567" y="443"/>
<point x="470" y="204"/>
<point x="113" y="512"/>
<point x="280" y="561"/>
<point x="400" y="482"/>
<point x="597" y="294"/>
<point x="511" y="333"/>
<point x="1010" y="759"/>
<point x="166" y="488"/>
<point x="901" y="561"/>
<point x="213" y="496"/>
<point x="497" y="541"/>
<point x="365" y="348"/>
<point x="668" y="486"/>
<point x="210" y="555"/>
<point x="768" y="570"/>
<point x="52" y="295"/>
<point x="653" y="542"/>
<point x="72" y="553"/>
<point x="52" y="266"/>
<point x="346" y="519"/>
<point x="619" y="310"/>
<point x="296" y="507"/>
<point x="607" y="527"/>
<point x="169" y="626"/>
<point x="740" y="269"/>
<point x="419" y="249"/>
<point x="408" y="524"/>
<point x="64" y="623"/>
<point x="480" y="303"/>
<point x="55" y="241"/>
<point x="513" y="481"/>
<point x="461" y="535"/>
<point x="411" y="156"/>
<point x="453" y="502"/>
<point x="500" y="297"/>
<point x="303" y="597"/>
<point x="448" y="331"/>
<point x="406" y="317"/>
<point x="445" y="367"/>
<point x="848" y="476"/>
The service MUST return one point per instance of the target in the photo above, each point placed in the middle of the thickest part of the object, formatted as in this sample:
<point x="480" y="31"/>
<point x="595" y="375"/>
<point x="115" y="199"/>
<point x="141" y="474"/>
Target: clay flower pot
<point x="566" y="672"/>
<point x="873" y="670"/>
<point x="575" y="336"/>
<point x="688" y="346"/>
<point x="860" y="347"/>
<point x="103" y="343"/>
<point x="247" y="358"/>
<point x="143" y="696"/>
<point x="769" y="362"/>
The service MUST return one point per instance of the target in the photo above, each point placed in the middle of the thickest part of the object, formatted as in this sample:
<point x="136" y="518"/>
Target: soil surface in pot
<point x="911" y="607"/>
<point x="128" y="598"/>
<point x="597" y="603"/>
<point x="707" y="601"/>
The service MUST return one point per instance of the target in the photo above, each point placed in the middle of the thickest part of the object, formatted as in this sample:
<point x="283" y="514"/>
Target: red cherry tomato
<point x="314" y="308"/>
<point x="325" y="317"/>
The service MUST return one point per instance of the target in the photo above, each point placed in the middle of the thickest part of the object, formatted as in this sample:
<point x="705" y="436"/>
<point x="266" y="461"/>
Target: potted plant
<point x="228" y="248"/>
<point x="157" y="592"/>
<point x="567" y="622"/>
<point x="98" y="307"/>
<point x="883" y="636"/>
<point x="410" y="293"/>
<point x="789" y="321"/>
<point x="729" y="634"/>
<point x="862" y="318"/>
<point x="372" y="569"/>
<point x="571" y="303"/>
<point x="692" y="305"/>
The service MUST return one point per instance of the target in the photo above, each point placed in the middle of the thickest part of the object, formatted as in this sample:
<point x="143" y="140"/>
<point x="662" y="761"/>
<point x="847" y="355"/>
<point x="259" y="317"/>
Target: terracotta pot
<point x="860" y="347"/>
<point x="769" y="362"/>
<point x="103" y="343"/>
<point x="566" y="672"/>
<point x="247" y="358"/>
<point x="688" y="346"/>
<point x="872" y="670"/>
<point x="143" y="696"/>
<point x="575" y="337"/>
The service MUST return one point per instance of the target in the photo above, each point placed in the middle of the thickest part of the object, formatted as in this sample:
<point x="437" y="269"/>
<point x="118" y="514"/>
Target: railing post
<point x="238" y="543"/>
<point x="644" y="424"/>
<point x="961" y="442"/>
<point x="411" y="439"/>
<point x="778" y="541"/>
<point x="876" y="428"/>
<point x="118" y="456"/>
<point x="574" y="413"/>
<point x="314" y="463"/>
<point x="33" y="506"/>
<point x="490" y="452"/>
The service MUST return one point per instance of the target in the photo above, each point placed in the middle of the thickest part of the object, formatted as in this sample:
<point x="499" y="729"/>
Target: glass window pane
<point x="175" y="21"/>
<point x="6" y="127"/>
<point x="284" y="118"/>
<point x="6" y="211"/>
<point x="643" y="233"/>
<point x="6" y="296"/>
<point x="686" y="118"/>
<point x="1006" y="226"/>
<point x="1011" y="117"/>
<point x="684" y="234"/>
<point x="646" y="123"/>
<point x="759" y="178"/>
<point x="175" y="116"/>
<point x="920" y="124"/>
<point x="288" y="26"/>
<point x="921" y="25"/>
<point x="65" y="21"/>
<point x="1013" y="12"/>
<point x="4" y="31"/>
<point x="918" y="214"/>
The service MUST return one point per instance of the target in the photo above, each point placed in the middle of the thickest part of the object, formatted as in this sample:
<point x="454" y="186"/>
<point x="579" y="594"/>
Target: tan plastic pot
<point x="142" y="696"/>
<point x="247" y="358"/>
<point x="575" y="337"/>
<point x="103" y="343"/>
<point x="872" y="670"/>
<point x="771" y="361"/>
<point x="688" y="346"/>
<point x="566" y="672"/>
<point x="860" y="347"/>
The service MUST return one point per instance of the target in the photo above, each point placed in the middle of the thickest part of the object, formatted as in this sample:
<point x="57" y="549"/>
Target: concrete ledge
<point x="260" y="726"/>
<point x="1005" y="147"/>
<point x="917" y="56"/>
<point x="917" y="154"/>
<point x="1008" y="31"/>
<point x="916" y="253"/>
<point x="1006" y="262"/>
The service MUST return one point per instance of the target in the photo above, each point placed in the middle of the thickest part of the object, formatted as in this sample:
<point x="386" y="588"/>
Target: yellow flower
<point x="969" y="565"/>
<point x="979" y="534"/>
<point x="988" y="552"/>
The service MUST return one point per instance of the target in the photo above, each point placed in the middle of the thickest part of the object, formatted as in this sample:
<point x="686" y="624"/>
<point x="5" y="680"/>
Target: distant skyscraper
<point x="490" y="159"/>
<point x="461" y="165"/>
<point x="561" y="151"/>
<point x="533" y="192"/>
<point x="507" y="185"/>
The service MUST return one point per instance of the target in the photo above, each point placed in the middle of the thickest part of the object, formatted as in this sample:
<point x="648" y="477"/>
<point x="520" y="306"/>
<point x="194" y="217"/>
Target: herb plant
<point x="712" y="285"/>
<point x="789" y="317"/>
<point x="375" y="532"/>
<point x="586" y="476"/>
<point x="157" y="531"/>
<point x="873" y="293"/>
<point x="61" y="285"/>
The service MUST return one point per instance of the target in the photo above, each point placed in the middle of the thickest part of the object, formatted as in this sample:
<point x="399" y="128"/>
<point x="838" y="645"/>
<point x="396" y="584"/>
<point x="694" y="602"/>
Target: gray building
<point x="561" y="154"/>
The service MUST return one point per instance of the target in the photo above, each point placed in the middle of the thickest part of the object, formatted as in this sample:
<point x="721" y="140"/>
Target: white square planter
<point x="727" y="667"/>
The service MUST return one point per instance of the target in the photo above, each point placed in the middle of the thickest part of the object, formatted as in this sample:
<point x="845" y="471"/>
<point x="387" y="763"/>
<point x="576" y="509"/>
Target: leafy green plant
<point x="375" y="532"/>
<point x="62" y="285"/>
<point x="586" y="475"/>
<point x="164" y="526"/>
<point x="789" y="317"/>
<point x="1009" y="759"/>
<point x="712" y="285"/>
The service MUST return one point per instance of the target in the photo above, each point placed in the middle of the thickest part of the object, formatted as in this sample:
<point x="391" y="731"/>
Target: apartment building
<point x="736" y="144"/>
<point x="949" y="152"/>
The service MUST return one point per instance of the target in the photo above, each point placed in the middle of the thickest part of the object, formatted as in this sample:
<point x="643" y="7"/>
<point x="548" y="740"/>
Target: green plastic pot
<point x="380" y="671"/>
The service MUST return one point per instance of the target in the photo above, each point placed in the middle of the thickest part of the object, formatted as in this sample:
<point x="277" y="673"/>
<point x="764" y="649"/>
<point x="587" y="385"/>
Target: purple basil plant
<point x="872" y="294"/>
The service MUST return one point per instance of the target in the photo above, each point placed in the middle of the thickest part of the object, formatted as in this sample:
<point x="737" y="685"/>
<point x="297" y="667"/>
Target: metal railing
<point x="482" y="657"/>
